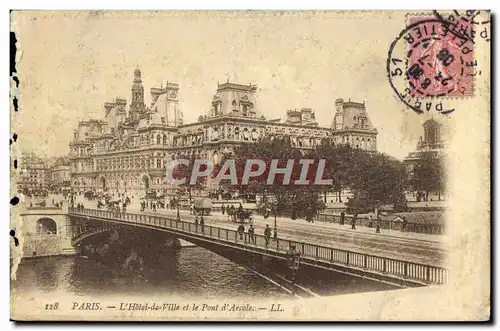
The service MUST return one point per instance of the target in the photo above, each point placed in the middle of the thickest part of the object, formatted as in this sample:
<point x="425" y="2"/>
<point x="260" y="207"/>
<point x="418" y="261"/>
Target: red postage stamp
<point x="440" y="60"/>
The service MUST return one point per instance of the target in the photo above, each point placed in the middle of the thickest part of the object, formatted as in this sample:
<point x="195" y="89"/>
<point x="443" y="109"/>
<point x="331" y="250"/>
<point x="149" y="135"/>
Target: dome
<point x="137" y="75"/>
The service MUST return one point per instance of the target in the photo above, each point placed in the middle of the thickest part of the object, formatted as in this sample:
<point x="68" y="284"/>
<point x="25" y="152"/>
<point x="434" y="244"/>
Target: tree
<point x="373" y="178"/>
<point x="292" y="199"/>
<point x="379" y="179"/>
<point x="181" y="171"/>
<point x="342" y="161"/>
<point x="428" y="174"/>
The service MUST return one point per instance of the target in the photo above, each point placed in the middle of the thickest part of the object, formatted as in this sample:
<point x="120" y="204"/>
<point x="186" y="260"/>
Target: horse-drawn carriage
<point x="240" y="215"/>
<point x="90" y="195"/>
<point x="114" y="205"/>
<point x="111" y="205"/>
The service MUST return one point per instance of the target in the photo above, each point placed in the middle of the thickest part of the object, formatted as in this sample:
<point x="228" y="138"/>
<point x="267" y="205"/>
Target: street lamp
<point x="177" y="204"/>
<point x="275" y="225"/>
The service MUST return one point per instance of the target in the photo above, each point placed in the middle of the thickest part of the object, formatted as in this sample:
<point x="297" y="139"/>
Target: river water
<point x="187" y="272"/>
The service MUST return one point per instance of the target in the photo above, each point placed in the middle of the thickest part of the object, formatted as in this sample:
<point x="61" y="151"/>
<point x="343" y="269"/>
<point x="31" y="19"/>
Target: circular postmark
<point x="471" y="24"/>
<point x="427" y="63"/>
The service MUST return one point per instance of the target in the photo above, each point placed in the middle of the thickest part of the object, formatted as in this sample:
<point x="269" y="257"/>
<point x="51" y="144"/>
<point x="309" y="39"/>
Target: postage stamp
<point x="429" y="61"/>
<point x="440" y="63"/>
<point x="249" y="166"/>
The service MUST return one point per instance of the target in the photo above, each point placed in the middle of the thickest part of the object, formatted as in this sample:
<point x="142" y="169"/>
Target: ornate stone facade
<point x="130" y="151"/>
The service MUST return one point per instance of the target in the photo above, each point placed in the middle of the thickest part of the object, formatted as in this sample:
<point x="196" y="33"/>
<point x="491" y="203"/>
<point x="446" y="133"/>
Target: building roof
<point x="423" y="217"/>
<point x="351" y="115"/>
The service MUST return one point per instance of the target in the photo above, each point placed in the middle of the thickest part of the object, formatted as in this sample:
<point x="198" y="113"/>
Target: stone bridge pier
<point x="45" y="231"/>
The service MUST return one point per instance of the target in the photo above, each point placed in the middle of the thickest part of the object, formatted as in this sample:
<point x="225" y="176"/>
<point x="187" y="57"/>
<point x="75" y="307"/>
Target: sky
<point x="70" y="63"/>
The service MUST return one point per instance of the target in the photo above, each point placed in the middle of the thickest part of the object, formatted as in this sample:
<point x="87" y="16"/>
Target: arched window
<point x="158" y="139"/>
<point x="246" y="135"/>
<point x="164" y="139"/>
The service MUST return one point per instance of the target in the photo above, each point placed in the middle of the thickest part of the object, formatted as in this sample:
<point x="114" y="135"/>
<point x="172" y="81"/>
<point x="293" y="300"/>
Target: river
<point x="186" y="272"/>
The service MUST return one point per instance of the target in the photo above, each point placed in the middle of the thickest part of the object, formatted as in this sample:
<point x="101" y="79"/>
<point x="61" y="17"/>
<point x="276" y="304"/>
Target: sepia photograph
<point x="250" y="165"/>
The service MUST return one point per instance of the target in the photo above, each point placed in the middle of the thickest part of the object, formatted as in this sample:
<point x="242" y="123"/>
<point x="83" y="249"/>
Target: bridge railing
<point x="409" y="270"/>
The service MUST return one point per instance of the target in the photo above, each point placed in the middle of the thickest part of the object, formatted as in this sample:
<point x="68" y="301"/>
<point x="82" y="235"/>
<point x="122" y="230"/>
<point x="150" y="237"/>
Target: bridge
<point x="81" y="233"/>
<point x="228" y="242"/>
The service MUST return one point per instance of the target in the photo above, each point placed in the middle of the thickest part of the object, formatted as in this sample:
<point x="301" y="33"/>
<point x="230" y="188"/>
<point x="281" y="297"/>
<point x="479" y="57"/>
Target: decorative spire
<point x="137" y="75"/>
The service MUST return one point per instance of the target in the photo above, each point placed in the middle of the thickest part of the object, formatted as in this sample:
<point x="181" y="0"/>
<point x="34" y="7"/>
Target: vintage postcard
<point x="250" y="165"/>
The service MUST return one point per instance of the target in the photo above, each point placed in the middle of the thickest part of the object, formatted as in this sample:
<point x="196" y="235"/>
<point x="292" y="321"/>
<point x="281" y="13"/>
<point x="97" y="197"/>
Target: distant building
<point x="432" y="142"/>
<point x="129" y="150"/>
<point x="59" y="174"/>
<point x="33" y="172"/>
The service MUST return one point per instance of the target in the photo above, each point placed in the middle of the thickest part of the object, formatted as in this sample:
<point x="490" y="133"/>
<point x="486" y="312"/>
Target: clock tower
<point x="137" y="106"/>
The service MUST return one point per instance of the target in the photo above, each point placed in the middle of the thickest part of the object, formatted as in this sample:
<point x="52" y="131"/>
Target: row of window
<point x="130" y="163"/>
<point x="114" y="182"/>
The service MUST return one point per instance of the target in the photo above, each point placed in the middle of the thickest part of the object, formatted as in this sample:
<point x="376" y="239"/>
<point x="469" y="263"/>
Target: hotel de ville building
<point x="129" y="149"/>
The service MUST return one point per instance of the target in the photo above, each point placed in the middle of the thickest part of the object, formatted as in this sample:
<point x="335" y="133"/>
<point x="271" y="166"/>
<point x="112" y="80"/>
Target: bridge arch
<point x="46" y="225"/>
<point x="87" y="233"/>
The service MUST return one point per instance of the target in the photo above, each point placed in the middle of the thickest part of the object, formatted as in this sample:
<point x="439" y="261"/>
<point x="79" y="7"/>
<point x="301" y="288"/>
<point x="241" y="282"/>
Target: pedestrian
<point x="370" y="222"/>
<point x="353" y="222"/>
<point x="267" y="234"/>
<point x="342" y="218"/>
<point x="223" y="209"/>
<point x="233" y="209"/>
<point x="241" y="230"/>
<point x="378" y="227"/>
<point x="124" y="208"/>
<point x="196" y="222"/>
<point x="251" y="234"/>
<point x="240" y="208"/>
<point x="202" y="224"/>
